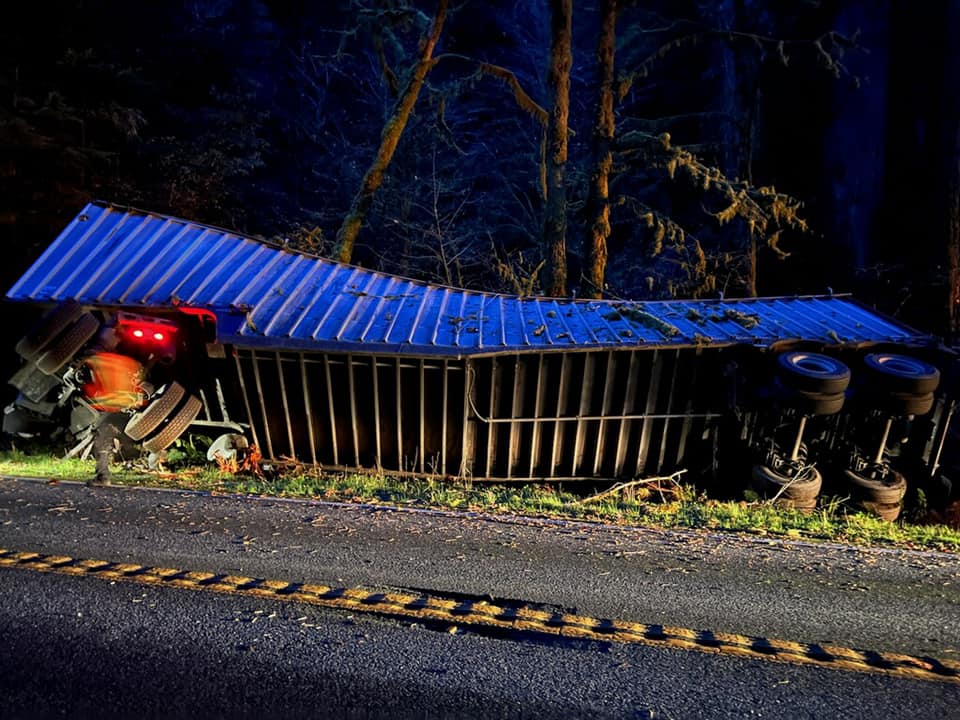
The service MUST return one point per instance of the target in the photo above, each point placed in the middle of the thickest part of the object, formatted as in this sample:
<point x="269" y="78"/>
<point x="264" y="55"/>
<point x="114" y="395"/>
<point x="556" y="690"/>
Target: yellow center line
<point x="469" y="613"/>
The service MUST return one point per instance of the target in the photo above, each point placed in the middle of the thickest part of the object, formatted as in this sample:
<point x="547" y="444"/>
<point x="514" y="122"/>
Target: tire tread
<point x="176" y="425"/>
<point x="50" y="325"/>
<point x="147" y="420"/>
<point x="69" y="344"/>
<point x="768" y="482"/>
<point x="868" y="489"/>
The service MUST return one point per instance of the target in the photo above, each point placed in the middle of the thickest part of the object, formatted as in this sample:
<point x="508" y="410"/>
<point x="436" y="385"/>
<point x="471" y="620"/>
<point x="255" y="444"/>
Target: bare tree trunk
<point x="558" y="82"/>
<point x="598" y="199"/>
<point x="373" y="179"/>
<point x="952" y="185"/>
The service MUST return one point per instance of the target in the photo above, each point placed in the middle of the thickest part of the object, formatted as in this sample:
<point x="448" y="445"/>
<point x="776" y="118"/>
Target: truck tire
<point x="901" y="373"/>
<point x="907" y="404"/>
<point x="69" y="344"/>
<point x="147" y="420"/>
<point x="813" y="372"/>
<point x="884" y="511"/>
<point x="804" y="506"/>
<point x="50" y="325"/>
<point x="176" y="426"/>
<point x="887" y="490"/>
<point x="818" y="404"/>
<point x="768" y="482"/>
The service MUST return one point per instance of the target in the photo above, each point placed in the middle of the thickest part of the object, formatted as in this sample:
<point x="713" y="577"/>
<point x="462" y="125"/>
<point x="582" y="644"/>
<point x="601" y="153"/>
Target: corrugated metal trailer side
<point x="603" y="414"/>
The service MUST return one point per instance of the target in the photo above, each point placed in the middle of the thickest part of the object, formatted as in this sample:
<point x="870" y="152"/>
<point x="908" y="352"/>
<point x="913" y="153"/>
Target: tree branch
<point x="523" y="99"/>
<point x="829" y="48"/>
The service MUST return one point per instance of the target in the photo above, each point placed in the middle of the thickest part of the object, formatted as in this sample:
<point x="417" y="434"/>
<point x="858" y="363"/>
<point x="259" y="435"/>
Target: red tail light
<point x="156" y="331"/>
<point x="143" y="336"/>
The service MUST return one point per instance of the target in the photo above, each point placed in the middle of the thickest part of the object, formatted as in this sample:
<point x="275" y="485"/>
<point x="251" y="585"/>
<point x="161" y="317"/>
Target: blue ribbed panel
<point x="111" y="256"/>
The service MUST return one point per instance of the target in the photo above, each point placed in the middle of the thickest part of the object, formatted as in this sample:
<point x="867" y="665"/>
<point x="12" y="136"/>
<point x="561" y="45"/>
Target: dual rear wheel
<point x="898" y="385"/>
<point x="878" y="492"/>
<point x="165" y="419"/>
<point x="789" y="487"/>
<point x="817" y="382"/>
<point x="57" y="338"/>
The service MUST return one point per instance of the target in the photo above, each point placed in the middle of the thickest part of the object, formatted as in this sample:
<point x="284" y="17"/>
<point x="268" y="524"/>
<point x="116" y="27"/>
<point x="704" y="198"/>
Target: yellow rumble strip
<point x="479" y="613"/>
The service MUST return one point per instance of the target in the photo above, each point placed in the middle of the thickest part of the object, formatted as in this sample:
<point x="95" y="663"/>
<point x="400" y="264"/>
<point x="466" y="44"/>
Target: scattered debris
<point x="642" y="317"/>
<point x="243" y="460"/>
<point x="744" y="320"/>
<point x="693" y="315"/>
<point x="626" y="488"/>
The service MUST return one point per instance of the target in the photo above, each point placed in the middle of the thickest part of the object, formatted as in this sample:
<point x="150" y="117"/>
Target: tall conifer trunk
<point x="390" y="137"/>
<point x="598" y="199"/>
<point x="558" y="81"/>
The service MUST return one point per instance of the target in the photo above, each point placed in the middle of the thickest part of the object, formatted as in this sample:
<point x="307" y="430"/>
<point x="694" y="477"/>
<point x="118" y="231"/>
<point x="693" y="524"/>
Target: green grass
<point x="683" y="509"/>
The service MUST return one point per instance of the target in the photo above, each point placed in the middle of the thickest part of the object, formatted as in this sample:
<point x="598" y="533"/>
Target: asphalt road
<point x="78" y="646"/>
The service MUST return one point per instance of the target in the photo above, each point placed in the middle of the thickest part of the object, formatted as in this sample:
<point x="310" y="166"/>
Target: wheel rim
<point x="816" y="364"/>
<point x="902" y="366"/>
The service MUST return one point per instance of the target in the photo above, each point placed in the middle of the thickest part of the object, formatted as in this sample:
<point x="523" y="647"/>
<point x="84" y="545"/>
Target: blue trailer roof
<point x="268" y="296"/>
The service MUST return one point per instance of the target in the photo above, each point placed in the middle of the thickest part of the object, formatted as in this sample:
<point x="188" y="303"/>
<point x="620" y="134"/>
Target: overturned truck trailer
<point x="343" y="367"/>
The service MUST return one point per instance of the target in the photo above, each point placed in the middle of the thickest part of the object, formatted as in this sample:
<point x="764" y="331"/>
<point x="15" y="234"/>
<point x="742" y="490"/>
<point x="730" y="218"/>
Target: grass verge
<point x="684" y="509"/>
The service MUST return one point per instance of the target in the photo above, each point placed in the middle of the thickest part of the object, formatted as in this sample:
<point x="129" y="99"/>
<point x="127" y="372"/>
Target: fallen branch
<point x="801" y="473"/>
<point x="620" y="487"/>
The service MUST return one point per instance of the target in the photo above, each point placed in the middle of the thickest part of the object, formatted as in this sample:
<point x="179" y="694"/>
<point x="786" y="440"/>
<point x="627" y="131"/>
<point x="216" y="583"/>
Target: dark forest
<point x="580" y="148"/>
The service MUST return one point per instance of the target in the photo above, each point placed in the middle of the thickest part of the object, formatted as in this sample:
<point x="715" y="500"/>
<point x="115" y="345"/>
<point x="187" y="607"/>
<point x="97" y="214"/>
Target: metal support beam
<point x="422" y="452"/>
<point x="876" y="460"/>
<point x="333" y="414"/>
<point x="466" y="446"/>
<point x="538" y="413"/>
<point x="206" y="408"/>
<point x="629" y="403"/>
<point x="495" y="375"/>
<point x="307" y="408"/>
<point x="376" y="411"/>
<point x="561" y="406"/>
<point x="646" y="427"/>
<point x="444" y="413"/>
<point x="353" y="410"/>
<point x="246" y="400"/>
<point x="666" y="422"/>
<point x="944" y="424"/>
<point x="605" y="410"/>
<point x="286" y="405"/>
<point x="586" y="392"/>
<point x="400" y="463"/>
<point x="688" y="413"/>
<point x="516" y="403"/>
<point x="586" y="418"/>
<point x="221" y="400"/>
<point x="263" y="405"/>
